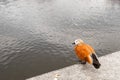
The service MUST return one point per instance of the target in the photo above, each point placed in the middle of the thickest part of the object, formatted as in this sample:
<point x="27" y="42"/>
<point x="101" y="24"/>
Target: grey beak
<point x="73" y="43"/>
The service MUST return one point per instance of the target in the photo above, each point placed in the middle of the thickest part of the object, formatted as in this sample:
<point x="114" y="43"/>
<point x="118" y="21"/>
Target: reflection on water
<point x="36" y="35"/>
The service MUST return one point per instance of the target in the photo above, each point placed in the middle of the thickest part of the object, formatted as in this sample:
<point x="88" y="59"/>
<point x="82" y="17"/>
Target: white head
<point x="78" y="41"/>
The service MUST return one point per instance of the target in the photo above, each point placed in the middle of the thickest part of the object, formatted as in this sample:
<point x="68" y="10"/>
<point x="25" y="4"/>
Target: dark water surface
<point x="36" y="35"/>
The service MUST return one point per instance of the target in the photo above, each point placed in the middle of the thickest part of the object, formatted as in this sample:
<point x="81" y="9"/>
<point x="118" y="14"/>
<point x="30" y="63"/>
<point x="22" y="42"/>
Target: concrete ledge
<point x="109" y="70"/>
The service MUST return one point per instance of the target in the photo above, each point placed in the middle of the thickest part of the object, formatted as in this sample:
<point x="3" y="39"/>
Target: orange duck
<point x="86" y="53"/>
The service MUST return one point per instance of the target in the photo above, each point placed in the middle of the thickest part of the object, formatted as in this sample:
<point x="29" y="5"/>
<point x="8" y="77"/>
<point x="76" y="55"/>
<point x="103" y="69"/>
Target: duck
<point x="86" y="53"/>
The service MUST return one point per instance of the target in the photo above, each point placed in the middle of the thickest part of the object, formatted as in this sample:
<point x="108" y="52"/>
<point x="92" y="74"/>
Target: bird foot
<point x="79" y="60"/>
<point x="82" y="62"/>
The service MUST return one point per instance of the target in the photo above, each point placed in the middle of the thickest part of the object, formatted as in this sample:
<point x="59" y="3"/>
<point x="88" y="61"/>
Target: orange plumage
<point x="86" y="53"/>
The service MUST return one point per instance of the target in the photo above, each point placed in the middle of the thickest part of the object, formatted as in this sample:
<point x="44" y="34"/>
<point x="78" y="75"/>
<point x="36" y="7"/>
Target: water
<point x="36" y="35"/>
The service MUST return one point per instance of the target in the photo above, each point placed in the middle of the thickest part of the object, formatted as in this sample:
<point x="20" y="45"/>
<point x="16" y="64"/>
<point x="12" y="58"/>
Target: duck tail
<point x="96" y="62"/>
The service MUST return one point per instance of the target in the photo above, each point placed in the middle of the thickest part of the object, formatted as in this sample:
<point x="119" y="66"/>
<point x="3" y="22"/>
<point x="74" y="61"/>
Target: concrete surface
<point x="109" y="70"/>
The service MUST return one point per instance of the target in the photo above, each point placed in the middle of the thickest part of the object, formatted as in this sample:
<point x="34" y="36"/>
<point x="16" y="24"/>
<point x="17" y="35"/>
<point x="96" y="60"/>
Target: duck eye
<point x="76" y="42"/>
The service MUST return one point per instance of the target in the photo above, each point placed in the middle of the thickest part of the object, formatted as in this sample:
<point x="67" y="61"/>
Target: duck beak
<point x="73" y="43"/>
